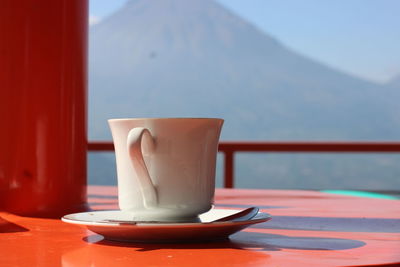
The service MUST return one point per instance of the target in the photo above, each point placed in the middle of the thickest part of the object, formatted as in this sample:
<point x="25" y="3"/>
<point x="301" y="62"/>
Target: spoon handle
<point x="243" y="215"/>
<point x="240" y="216"/>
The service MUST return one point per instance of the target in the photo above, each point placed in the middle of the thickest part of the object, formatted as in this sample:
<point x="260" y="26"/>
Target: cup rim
<point x="163" y="118"/>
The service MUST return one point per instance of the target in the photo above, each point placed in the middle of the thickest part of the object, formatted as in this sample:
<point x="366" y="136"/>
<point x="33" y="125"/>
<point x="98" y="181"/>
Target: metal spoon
<point x="240" y="216"/>
<point x="243" y="215"/>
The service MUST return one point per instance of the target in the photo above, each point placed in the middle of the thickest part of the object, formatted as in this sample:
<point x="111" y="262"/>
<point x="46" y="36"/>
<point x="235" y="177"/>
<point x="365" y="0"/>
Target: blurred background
<point x="274" y="70"/>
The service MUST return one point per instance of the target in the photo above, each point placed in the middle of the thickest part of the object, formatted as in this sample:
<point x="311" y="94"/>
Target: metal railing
<point x="230" y="148"/>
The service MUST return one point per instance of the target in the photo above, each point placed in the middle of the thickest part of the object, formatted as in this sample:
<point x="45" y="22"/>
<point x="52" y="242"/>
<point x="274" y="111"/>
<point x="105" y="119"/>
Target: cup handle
<point x="134" y="144"/>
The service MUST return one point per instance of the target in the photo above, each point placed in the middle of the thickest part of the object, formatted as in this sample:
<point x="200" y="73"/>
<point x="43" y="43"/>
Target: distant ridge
<point x="395" y="82"/>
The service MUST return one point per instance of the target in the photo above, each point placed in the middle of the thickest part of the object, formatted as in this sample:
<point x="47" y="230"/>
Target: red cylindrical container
<point x="43" y="94"/>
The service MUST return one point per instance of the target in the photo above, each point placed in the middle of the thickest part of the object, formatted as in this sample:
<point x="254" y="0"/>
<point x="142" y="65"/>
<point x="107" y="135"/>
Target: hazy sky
<point x="361" y="37"/>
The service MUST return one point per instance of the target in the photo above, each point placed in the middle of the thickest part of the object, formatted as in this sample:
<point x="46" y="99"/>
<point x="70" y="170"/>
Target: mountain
<point x="174" y="58"/>
<point x="194" y="58"/>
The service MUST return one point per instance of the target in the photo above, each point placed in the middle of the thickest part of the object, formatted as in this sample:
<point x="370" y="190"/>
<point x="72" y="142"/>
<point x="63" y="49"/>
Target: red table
<point x="308" y="228"/>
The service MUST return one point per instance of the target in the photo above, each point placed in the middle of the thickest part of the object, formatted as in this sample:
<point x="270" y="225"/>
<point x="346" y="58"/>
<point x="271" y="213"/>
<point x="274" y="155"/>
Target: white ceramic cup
<point x="166" y="166"/>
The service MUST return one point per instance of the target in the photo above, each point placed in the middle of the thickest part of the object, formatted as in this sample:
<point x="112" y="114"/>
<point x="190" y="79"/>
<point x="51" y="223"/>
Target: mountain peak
<point x="174" y="28"/>
<point x="160" y="13"/>
<point x="164" y="8"/>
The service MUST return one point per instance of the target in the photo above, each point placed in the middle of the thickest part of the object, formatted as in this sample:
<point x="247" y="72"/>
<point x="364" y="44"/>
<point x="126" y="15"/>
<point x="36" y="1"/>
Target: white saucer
<point x="103" y="223"/>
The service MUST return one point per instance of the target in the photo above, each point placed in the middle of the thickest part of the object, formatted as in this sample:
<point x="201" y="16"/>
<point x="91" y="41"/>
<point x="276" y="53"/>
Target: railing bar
<point x="100" y="146"/>
<point x="230" y="147"/>
<point x="229" y="165"/>
<point x="314" y="147"/>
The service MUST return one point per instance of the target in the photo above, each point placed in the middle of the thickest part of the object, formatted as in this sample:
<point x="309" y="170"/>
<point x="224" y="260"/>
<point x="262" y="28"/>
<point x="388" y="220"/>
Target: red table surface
<point x="308" y="228"/>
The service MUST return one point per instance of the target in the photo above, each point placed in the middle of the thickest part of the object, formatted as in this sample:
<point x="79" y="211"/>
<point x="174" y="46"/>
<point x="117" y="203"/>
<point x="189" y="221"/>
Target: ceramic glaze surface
<point x="166" y="167"/>
<point x="206" y="229"/>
